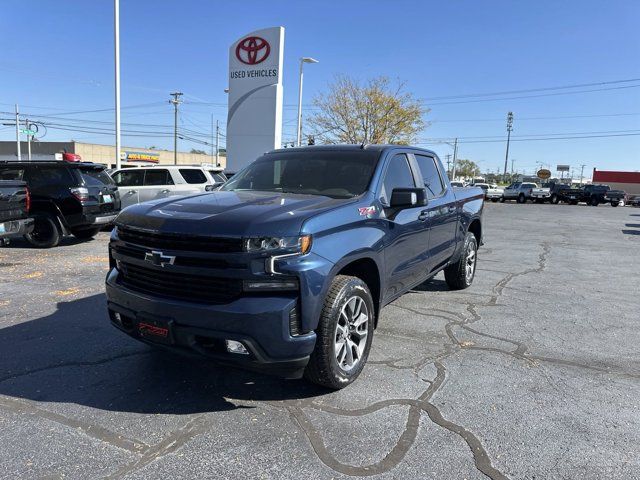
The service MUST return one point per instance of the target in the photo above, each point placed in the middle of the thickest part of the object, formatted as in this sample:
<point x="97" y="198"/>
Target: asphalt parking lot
<point x="533" y="372"/>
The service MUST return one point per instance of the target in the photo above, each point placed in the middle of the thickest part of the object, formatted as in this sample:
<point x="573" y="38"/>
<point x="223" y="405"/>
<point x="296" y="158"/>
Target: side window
<point x="129" y="178"/>
<point x="431" y="176"/>
<point x="11" y="173"/>
<point x="41" y="177"/>
<point x="398" y="175"/>
<point x="193" y="175"/>
<point x="157" y="177"/>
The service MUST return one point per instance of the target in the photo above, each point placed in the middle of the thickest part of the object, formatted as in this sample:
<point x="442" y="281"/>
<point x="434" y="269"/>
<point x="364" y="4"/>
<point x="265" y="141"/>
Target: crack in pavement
<point x="94" y="431"/>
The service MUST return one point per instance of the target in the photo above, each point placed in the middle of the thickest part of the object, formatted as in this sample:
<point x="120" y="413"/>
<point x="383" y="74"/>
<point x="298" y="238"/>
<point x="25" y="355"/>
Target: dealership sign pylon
<point x="254" y="118"/>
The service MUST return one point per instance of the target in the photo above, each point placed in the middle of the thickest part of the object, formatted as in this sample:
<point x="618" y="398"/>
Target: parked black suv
<point x="66" y="198"/>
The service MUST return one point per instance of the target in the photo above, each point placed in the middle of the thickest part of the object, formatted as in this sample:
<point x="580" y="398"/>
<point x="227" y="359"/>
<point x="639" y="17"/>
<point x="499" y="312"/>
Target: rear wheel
<point x="593" y="202"/>
<point x="614" y="204"/>
<point x="521" y="198"/>
<point x="502" y="199"/>
<point x="85" y="233"/>
<point x="344" y="334"/>
<point x="555" y="199"/>
<point x="494" y="200"/>
<point x="460" y="274"/>
<point x="45" y="232"/>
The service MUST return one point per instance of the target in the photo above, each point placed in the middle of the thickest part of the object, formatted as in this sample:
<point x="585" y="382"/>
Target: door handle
<point x="131" y="192"/>
<point x="166" y="190"/>
<point x="424" y="214"/>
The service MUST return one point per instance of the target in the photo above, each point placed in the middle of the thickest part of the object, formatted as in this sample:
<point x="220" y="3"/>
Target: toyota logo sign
<point x="252" y="50"/>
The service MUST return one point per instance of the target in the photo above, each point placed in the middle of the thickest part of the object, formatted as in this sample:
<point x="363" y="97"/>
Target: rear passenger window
<point x="398" y="175"/>
<point x="430" y="175"/>
<point x="193" y="175"/>
<point x="129" y="178"/>
<point x="12" y="173"/>
<point x="40" y="177"/>
<point x="157" y="177"/>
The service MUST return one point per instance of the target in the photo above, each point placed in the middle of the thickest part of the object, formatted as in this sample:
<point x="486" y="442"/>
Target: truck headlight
<point x="301" y="244"/>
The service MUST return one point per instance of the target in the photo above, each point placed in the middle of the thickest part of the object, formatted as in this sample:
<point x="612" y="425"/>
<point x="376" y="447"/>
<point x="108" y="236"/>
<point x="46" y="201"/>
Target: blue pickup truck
<point x="287" y="267"/>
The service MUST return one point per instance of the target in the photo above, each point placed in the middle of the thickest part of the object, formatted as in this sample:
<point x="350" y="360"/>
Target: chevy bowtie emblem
<point x="159" y="259"/>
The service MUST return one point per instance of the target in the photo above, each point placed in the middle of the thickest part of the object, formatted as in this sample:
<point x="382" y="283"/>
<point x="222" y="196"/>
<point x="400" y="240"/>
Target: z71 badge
<point x="367" y="211"/>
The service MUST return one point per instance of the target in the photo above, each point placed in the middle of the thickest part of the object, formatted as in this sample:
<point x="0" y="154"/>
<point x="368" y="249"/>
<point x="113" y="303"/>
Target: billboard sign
<point x="562" y="168"/>
<point x="141" y="157"/>
<point x="254" y="118"/>
<point x="544" y="174"/>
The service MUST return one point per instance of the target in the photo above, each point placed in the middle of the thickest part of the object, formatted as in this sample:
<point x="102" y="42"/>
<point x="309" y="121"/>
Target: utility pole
<point x="176" y="101"/>
<point x="509" y="129"/>
<point x="455" y="158"/>
<point x="217" y="143"/>
<point x="512" y="160"/>
<point x="448" y="164"/>
<point x="26" y="124"/>
<point x="582" y="172"/>
<point x="18" y="133"/>
<point x="212" y="144"/>
<point x="116" y="18"/>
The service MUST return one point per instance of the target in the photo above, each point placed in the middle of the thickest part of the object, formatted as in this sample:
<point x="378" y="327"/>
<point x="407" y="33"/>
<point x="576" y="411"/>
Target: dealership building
<point x="627" y="181"/>
<point x="105" y="154"/>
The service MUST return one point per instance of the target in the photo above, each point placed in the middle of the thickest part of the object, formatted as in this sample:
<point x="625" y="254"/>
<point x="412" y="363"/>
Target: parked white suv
<point x="142" y="184"/>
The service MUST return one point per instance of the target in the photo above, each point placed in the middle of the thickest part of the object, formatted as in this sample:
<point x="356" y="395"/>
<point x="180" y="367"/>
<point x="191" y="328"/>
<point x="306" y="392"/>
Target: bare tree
<point x="371" y="112"/>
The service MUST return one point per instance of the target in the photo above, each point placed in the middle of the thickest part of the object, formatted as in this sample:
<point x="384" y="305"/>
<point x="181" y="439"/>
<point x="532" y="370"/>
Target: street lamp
<point x="303" y="60"/>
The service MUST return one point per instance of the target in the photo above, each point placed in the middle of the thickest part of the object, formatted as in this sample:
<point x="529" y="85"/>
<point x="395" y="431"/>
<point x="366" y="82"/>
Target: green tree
<point x="467" y="168"/>
<point x="374" y="111"/>
<point x="200" y="152"/>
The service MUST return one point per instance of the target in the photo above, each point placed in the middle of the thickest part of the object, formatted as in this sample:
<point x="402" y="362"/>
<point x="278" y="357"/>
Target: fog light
<point x="236" y="347"/>
<point x="270" y="285"/>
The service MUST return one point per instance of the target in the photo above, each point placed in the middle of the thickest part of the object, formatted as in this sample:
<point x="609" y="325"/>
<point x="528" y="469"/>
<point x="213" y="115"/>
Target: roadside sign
<point x="562" y="168"/>
<point x="543" y="173"/>
<point x="26" y="131"/>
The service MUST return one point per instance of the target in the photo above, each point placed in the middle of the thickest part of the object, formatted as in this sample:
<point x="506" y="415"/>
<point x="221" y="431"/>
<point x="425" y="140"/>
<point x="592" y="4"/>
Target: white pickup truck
<point x="540" y="194"/>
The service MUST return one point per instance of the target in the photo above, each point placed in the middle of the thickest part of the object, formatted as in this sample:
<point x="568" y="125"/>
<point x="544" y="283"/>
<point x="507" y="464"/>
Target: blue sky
<point x="57" y="57"/>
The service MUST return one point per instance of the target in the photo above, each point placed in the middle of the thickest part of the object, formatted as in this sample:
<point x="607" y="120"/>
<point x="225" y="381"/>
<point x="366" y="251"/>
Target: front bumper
<point x="16" y="227"/>
<point x="493" y="195"/>
<point x="260" y="323"/>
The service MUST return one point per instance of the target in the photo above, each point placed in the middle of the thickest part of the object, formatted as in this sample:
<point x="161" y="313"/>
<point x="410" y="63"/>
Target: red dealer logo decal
<point x="252" y="50"/>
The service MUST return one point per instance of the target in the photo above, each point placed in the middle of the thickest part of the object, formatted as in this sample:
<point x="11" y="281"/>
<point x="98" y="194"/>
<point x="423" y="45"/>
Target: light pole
<point x="175" y="101"/>
<point x="116" y="28"/>
<point x="303" y="60"/>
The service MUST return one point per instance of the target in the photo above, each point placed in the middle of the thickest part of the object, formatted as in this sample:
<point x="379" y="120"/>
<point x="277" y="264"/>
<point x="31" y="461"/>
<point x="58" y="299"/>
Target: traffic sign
<point x="28" y="132"/>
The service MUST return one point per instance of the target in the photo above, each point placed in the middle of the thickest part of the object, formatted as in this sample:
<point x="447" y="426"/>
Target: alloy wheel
<point x="351" y="333"/>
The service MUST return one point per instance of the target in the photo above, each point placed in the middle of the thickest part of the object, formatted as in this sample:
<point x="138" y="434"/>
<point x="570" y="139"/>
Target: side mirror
<point x="408" y="197"/>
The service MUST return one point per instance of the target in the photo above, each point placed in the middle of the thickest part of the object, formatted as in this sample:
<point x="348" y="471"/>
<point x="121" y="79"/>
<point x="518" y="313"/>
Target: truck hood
<point x="229" y="214"/>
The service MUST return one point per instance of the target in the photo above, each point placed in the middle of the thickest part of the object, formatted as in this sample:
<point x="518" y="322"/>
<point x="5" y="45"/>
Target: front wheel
<point x="615" y="204"/>
<point x="521" y="198"/>
<point x="555" y="199"/>
<point x="344" y="334"/>
<point x="502" y="199"/>
<point x="494" y="200"/>
<point x="460" y="275"/>
<point x="593" y="202"/>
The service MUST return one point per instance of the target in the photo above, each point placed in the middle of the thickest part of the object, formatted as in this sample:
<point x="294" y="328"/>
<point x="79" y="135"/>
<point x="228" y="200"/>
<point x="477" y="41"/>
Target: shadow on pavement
<point x="432" y="285"/>
<point x="74" y="355"/>
<point x="630" y="232"/>
<point x="19" y="242"/>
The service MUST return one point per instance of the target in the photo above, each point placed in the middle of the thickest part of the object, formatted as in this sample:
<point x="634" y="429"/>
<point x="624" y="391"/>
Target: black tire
<point x="323" y="367"/>
<point x="555" y="199"/>
<point x="614" y="204"/>
<point x="456" y="274"/>
<point x="573" y="202"/>
<point x="502" y="199"/>
<point x="539" y="200"/>
<point x="46" y="233"/>
<point x="593" y="201"/>
<point x="522" y="198"/>
<point x="494" y="200"/>
<point x="85" y="233"/>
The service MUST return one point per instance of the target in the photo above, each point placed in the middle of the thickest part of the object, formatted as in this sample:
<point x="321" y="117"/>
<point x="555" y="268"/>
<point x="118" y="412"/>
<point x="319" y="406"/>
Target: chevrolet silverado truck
<point x="287" y="267"/>
<point x="14" y="210"/>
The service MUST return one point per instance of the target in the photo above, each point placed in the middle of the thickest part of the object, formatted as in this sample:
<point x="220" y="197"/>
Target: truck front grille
<point x="191" y="243"/>
<point x="180" y="286"/>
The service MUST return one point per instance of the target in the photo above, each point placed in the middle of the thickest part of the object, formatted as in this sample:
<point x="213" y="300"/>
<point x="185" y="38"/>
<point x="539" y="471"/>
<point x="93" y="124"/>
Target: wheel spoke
<point x="349" y="357"/>
<point x="361" y="319"/>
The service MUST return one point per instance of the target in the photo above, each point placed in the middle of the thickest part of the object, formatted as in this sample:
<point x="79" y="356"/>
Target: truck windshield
<point x="336" y="174"/>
